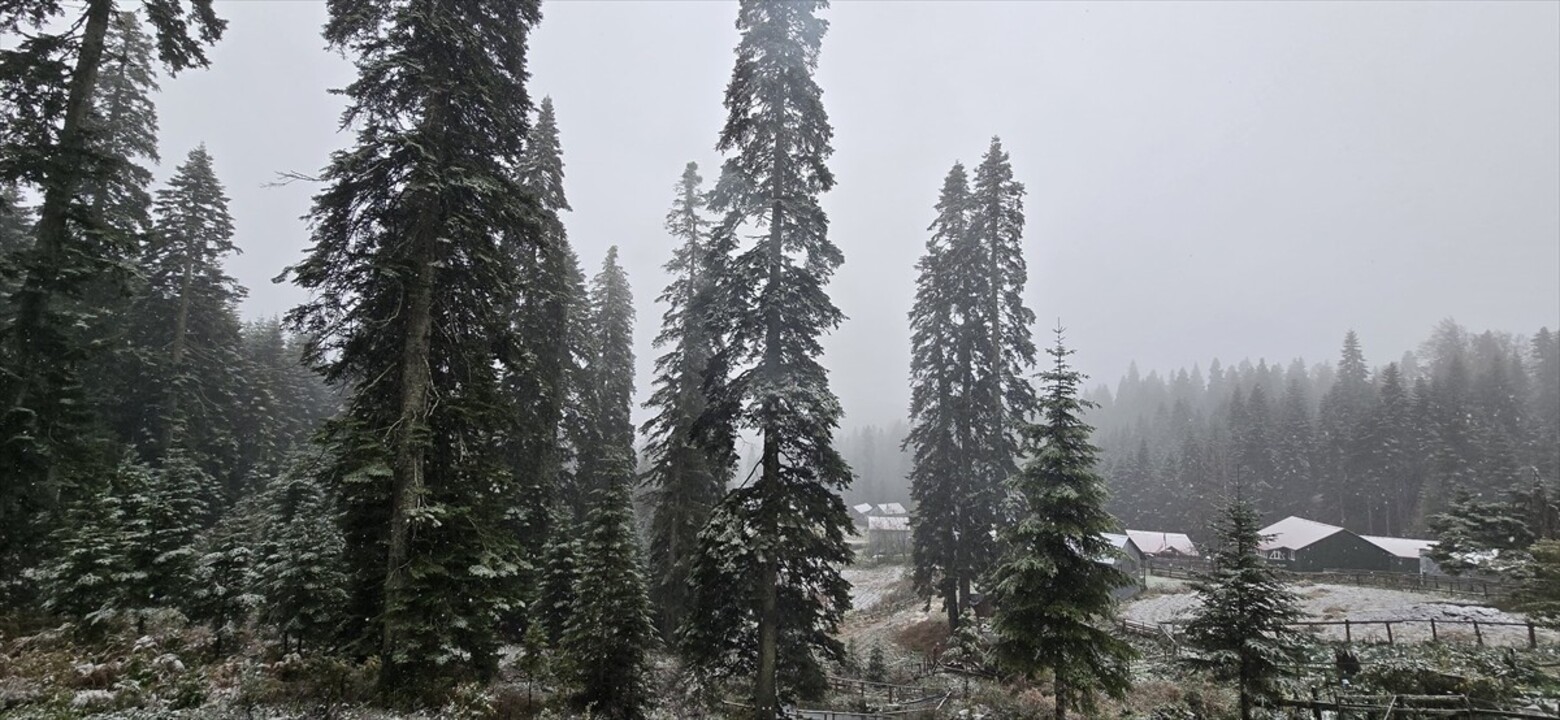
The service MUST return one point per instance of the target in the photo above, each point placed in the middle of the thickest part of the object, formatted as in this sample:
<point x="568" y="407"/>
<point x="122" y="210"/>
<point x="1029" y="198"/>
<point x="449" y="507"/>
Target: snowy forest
<point x="437" y="487"/>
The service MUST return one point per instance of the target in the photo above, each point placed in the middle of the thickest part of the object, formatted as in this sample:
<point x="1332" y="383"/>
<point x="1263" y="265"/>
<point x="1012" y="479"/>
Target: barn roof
<point x="1153" y="542"/>
<point x="1402" y="547"/>
<point x="1120" y="542"/>
<point x="893" y="524"/>
<point x="891" y="509"/>
<point x="1295" y="533"/>
<point x="862" y="509"/>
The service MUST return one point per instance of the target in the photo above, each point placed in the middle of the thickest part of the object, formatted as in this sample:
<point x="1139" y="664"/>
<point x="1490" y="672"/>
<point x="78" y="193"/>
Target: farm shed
<point x="1310" y="546"/>
<point x="888" y="535"/>
<point x="1407" y="553"/>
<point x="1128" y="558"/>
<point x="1163" y="544"/>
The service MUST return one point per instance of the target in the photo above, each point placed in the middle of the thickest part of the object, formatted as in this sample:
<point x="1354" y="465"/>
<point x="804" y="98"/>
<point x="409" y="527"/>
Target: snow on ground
<point x="1347" y="602"/>
<point x="868" y="584"/>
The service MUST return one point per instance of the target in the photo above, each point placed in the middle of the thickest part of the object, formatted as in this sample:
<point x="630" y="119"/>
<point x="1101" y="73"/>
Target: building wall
<point x="1341" y="551"/>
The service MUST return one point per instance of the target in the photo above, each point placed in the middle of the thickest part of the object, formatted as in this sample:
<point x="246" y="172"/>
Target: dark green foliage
<point x="223" y="594"/>
<point x="1475" y="533"/>
<point x="1052" y="588"/>
<point x="1540" y="594"/>
<point x="1240" y="624"/>
<point x="281" y="404"/>
<point x="778" y="541"/>
<point x="61" y="85"/>
<point x="877" y="665"/>
<point x="556" y="598"/>
<point x="411" y="311"/>
<point x="299" y="572"/>
<point x="688" y="466"/>
<point x="609" y="634"/>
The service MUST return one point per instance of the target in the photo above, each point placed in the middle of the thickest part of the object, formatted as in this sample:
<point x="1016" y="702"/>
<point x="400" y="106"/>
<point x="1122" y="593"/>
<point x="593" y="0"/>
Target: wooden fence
<point x="1353" y="628"/>
<point x="1406" y="706"/>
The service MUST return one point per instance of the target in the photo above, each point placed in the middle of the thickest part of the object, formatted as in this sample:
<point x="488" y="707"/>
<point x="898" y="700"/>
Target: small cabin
<point x="1127" y="557"/>
<point x="1163" y="545"/>
<point x="1310" y="546"/>
<point x="888" y="536"/>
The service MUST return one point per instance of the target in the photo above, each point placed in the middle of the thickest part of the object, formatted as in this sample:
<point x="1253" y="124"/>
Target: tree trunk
<point x="765" y="696"/>
<point x="1062" y="696"/>
<point x="408" y="482"/>
<point x="766" y="704"/>
<point x="53" y="232"/>
<point x="173" y="426"/>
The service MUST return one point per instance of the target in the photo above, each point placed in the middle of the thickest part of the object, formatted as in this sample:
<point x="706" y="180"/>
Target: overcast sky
<point x="1204" y="180"/>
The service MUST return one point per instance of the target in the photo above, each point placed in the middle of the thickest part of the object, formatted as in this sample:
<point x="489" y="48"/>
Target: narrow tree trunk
<point x="53" y="232"/>
<point x="173" y="426"/>
<point x="766" y="704"/>
<point x="1063" y="694"/>
<point x="408" y="482"/>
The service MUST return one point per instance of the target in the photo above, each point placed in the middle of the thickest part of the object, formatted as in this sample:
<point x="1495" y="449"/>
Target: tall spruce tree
<point x="688" y="471"/>
<point x="1053" y="586"/>
<point x="607" y="637"/>
<point x="1001" y="392"/>
<point x="955" y="506"/>
<point x="52" y="80"/>
<point x="411" y="297"/>
<point x="1342" y="421"/>
<point x="548" y="317"/>
<point x="1241" y="626"/>
<point x="187" y="327"/>
<point x="299" y="572"/>
<point x="787" y="570"/>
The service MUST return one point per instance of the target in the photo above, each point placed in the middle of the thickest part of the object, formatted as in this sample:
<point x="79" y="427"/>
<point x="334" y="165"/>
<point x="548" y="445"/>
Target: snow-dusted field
<point x="868" y="584"/>
<point x="1340" y="602"/>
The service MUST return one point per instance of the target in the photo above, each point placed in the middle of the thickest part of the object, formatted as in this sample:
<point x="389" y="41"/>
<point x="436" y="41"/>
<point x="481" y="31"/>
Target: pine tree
<point x="412" y="291"/>
<point x="954" y="508"/>
<point x="688" y="469"/>
<point x="188" y="329"/>
<point x="1539" y="596"/>
<point x="223" y="593"/>
<point x="607" y="386"/>
<point x="1344" y="412"/>
<point x="1053" y="588"/>
<point x="791" y="515"/>
<point x="556" y="598"/>
<point x="1478" y="534"/>
<point x="50" y="132"/>
<point x="299" y="573"/>
<point x="167" y="520"/>
<point x="1240" y="624"/>
<point x="92" y="565"/>
<point x="1544" y="406"/>
<point x="547" y="318"/>
<point x="608" y="636"/>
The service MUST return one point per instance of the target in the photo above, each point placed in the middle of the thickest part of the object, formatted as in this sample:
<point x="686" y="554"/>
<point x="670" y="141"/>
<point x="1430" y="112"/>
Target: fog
<point x="1204" y="180"/>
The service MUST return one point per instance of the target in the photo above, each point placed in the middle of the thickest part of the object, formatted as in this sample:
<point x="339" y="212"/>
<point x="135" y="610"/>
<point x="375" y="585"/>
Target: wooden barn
<point x="1128" y="558"/>
<point x="1156" y="544"/>
<point x="1310" y="546"/>
<point x="888" y="536"/>
<point x="1408" y="554"/>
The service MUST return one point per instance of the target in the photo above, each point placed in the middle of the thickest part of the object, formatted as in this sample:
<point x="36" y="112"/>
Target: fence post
<point x="1389" y="632"/>
<point x="1478" y="636"/>
<point x="1348" y="633"/>
<point x="1532" y="636"/>
<point x="1434" y="637"/>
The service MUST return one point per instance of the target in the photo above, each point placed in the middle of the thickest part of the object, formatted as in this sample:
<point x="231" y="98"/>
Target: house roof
<point x="891" y="509"/>
<point x="1295" y="533"/>
<point x="1401" y="547"/>
<point x="1152" y="542"/>
<point x="893" y="524"/>
<point x="862" y="509"/>
<point x="1120" y="543"/>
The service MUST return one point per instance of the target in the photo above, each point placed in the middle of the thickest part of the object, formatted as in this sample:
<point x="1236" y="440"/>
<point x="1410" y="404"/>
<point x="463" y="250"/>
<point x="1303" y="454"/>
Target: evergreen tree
<point x="548" y="316"/>
<point x="187" y="327"/>
<point x="50" y="141"/>
<point x="165" y="522"/>
<point x="688" y="470"/>
<point x="223" y="593"/>
<point x="608" y="635"/>
<point x="556" y="598"/>
<point x="1544" y="359"/>
<point x="412" y="291"/>
<point x="954" y="507"/>
<point x="1241" y="623"/>
<point x="1052" y="588"/>
<point x="92" y="566"/>
<point x="282" y="402"/>
<point x="1539" y="596"/>
<point x="790" y="517"/>
<point x="1478" y="534"/>
<point x="1342" y="418"/>
<point x="299" y="574"/>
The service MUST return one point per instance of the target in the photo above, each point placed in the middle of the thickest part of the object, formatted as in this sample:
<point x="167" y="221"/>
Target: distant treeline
<point x="1375" y="448"/>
